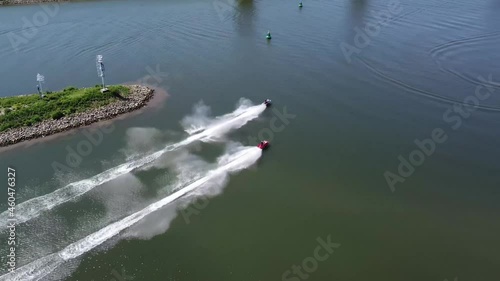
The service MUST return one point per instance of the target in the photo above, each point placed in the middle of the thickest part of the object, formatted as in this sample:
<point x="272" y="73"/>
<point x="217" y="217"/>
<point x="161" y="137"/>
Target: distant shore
<point x="26" y="2"/>
<point x="138" y="98"/>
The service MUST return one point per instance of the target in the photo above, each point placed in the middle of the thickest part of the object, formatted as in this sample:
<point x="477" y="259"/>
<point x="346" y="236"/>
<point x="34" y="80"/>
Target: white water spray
<point x="200" y="119"/>
<point x="42" y="267"/>
<point x="32" y="208"/>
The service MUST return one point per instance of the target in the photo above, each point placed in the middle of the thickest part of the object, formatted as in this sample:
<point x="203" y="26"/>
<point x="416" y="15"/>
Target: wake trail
<point x="200" y="120"/>
<point x="42" y="267"/>
<point x="34" y="207"/>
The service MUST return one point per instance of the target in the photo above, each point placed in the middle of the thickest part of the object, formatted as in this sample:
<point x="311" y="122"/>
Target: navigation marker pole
<point x="40" y="78"/>
<point x="100" y="72"/>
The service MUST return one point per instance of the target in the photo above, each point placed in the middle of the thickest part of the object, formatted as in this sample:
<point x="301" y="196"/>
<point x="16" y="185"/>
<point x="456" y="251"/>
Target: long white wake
<point x="40" y="268"/>
<point x="32" y="208"/>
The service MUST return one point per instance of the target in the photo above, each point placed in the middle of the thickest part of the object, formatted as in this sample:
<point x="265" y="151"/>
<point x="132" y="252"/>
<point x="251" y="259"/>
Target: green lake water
<point x="349" y="118"/>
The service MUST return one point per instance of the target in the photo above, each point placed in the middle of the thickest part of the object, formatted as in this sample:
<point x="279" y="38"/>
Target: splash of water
<point x="199" y="120"/>
<point x="34" y="207"/>
<point x="42" y="267"/>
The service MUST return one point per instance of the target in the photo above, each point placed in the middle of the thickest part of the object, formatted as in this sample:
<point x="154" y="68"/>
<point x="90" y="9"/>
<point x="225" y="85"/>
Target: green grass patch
<point x="27" y="110"/>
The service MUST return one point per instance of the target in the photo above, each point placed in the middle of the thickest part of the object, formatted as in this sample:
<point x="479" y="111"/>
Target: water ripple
<point x="421" y="92"/>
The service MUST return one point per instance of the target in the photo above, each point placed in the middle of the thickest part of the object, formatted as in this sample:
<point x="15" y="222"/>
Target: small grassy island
<point x="27" y="110"/>
<point x="31" y="116"/>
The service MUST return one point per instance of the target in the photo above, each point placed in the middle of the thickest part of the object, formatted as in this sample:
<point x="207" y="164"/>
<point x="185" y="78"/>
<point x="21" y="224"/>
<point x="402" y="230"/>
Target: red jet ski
<point x="263" y="144"/>
<point x="267" y="102"/>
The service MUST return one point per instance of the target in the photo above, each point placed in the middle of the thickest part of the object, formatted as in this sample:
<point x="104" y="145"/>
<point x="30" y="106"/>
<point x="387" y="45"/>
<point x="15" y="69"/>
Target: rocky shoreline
<point x="139" y="97"/>
<point x="27" y="2"/>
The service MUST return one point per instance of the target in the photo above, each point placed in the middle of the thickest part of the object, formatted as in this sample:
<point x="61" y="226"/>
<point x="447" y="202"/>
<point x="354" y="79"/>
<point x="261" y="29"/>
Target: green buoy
<point x="300" y="4"/>
<point x="268" y="36"/>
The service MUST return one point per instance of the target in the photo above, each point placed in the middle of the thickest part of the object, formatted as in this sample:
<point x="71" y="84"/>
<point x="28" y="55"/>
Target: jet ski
<point x="267" y="102"/>
<point x="263" y="144"/>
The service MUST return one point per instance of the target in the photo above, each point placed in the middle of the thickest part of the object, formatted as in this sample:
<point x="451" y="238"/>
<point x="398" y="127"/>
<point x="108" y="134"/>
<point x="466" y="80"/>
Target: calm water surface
<point x="322" y="177"/>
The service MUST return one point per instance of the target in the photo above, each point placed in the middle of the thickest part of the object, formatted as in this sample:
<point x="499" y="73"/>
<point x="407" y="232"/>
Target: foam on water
<point x="200" y="120"/>
<point x="42" y="267"/>
<point x="32" y="208"/>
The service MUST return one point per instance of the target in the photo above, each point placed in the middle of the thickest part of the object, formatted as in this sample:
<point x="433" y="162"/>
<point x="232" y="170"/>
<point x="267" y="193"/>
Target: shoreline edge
<point x="138" y="98"/>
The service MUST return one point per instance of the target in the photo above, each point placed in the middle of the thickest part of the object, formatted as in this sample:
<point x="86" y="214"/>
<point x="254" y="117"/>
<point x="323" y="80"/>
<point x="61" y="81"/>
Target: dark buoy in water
<point x="268" y="36"/>
<point x="300" y="4"/>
